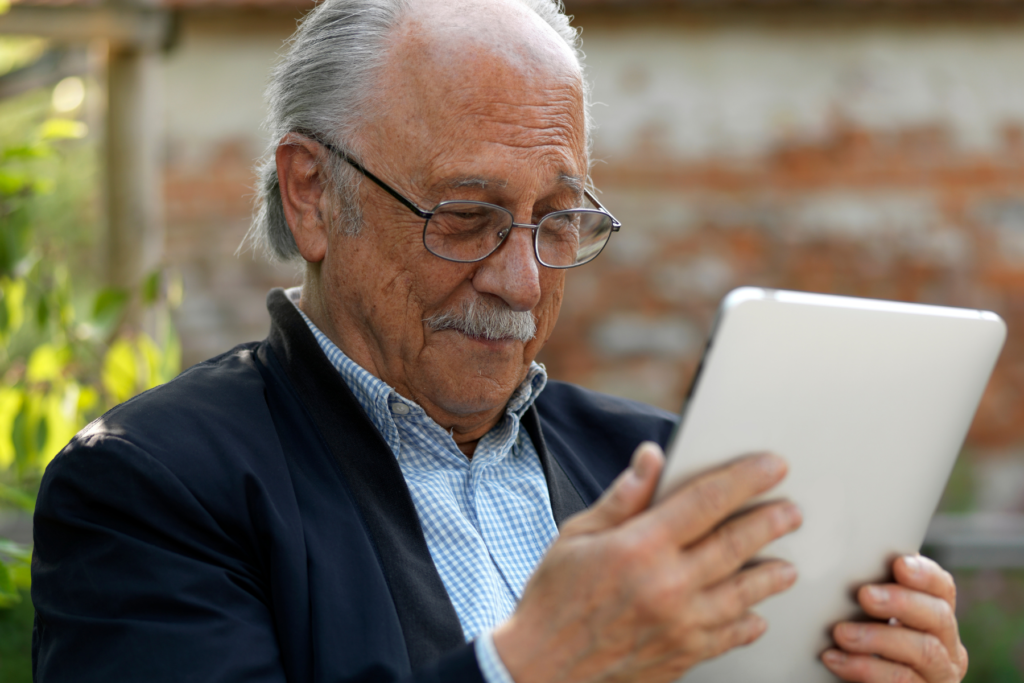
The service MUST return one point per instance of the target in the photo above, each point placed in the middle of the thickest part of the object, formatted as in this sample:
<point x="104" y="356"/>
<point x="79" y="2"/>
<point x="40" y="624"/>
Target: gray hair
<point x="322" y="86"/>
<point x="481" y="317"/>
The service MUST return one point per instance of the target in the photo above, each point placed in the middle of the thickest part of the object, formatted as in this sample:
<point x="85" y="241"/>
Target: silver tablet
<point x="869" y="402"/>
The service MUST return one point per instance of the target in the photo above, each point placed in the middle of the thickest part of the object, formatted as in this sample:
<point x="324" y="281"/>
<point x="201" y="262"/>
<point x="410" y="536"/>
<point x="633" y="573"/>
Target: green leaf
<point x="26" y="152"/>
<point x="175" y="290"/>
<point x="8" y="593"/>
<point x="12" y="300"/>
<point x="151" y="288"/>
<point x="87" y="398"/>
<point x="14" y="563"/>
<point x="21" y="575"/>
<point x="17" y="498"/>
<point x="172" y="356"/>
<point x="43" y="185"/>
<point x="16" y="552"/>
<point x="47" y="363"/>
<point x="119" y="371"/>
<point x="29" y="430"/>
<point x="15" y="560"/>
<point x="151" y="360"/>
<point x="109" y="306"/>
<point x="64" y="129"/>
<point x="13" y="182"/>
<point x="42" y="312"/>
<point x="59" y="413"/>
<point x="11" y="399"/>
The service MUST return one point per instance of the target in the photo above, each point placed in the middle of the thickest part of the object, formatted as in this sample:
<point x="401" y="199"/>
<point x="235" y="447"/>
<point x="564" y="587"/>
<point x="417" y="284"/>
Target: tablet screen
<point x="869" y="402"/>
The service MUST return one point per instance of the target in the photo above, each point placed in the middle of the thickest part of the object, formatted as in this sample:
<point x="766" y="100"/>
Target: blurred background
<point x="862" y="147"/>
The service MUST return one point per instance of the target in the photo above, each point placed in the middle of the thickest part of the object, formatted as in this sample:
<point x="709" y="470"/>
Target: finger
<point x="734" y="597"/>
<point x="868" y="669"/>
<point x="739" y="539"/>
<point x="922" y="652"/>
<point x="629" y="494"/>
<point x="924" y="574"/>
<point x="696" y="508"/>
<point x="739" y="632"/>
<point x="913" y="609"/>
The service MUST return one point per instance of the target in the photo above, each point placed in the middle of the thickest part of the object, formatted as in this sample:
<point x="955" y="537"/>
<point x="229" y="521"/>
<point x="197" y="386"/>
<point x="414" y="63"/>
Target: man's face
<point x="460" y="120"/>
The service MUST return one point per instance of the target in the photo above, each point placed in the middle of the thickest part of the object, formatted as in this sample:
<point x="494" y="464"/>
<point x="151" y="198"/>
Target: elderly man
<point x="388" y="487"/>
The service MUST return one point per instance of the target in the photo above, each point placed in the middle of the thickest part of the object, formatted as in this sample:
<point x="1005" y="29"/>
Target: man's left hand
<point x="921" y="642"/>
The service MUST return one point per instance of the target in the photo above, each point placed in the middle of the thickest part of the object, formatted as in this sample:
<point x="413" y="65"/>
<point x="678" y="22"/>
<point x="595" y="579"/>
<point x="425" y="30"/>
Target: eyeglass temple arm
<point x="355" y="164"/>
<point x="593" y="200"/>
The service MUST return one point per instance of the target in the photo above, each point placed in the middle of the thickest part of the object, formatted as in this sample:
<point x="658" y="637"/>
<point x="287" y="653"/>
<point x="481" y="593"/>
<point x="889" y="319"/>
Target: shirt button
<point x="399" y="409"/>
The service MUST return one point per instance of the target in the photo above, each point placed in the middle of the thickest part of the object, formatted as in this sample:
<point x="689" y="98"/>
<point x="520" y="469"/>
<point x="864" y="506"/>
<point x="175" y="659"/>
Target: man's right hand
<point x="636" y="593"/>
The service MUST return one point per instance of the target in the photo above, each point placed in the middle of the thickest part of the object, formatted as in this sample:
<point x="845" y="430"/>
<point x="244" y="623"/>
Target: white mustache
<point x="488" y="319"/>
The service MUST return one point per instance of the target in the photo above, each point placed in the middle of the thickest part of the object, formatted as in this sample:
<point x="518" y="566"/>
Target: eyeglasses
<point x="467" y="231"/>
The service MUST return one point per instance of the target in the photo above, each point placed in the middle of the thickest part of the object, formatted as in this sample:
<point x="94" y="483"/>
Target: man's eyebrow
<point x="574" y="181"/>
<point x="569" y="180"/>
<point x="480" y="182"/>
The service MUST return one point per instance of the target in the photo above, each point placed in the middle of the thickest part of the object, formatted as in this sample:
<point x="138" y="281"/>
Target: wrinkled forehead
<point x="500" y="78"/>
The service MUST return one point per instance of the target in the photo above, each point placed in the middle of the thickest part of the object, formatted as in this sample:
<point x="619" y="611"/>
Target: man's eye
<point x="561" y="223"/>
<point x="466" y="220"/>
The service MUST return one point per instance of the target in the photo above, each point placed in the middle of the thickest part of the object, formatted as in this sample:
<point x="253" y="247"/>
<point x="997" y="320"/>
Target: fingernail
<point x="787" y="574"/>
<point x="787" y="518"/>
<point x="913" y="564"/>
<point x="755" y="626"/>
<point x="771" y="464"/>
<point x="641" y="464"/>
<point x="835" y="657"/>
<point x="878" y="594"/>
<point x="852" y="632"/>
<point x="796" y="517"/>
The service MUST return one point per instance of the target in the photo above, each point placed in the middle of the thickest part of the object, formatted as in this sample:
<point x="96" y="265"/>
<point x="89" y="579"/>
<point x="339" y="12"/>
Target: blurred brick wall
<point x="863" y="157"/>
<point x="876" y="156"/>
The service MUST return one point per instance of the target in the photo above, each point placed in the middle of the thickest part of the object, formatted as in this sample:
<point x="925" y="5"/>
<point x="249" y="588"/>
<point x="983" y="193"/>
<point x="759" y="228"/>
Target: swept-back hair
<point x="322" y="87"/>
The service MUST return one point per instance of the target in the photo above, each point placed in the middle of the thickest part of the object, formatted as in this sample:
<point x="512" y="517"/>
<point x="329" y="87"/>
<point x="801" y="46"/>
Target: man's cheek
<point x="548" y="315"/>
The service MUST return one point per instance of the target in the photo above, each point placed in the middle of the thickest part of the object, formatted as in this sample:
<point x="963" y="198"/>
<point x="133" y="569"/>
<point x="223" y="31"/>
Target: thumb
<point x="629" y="494"/>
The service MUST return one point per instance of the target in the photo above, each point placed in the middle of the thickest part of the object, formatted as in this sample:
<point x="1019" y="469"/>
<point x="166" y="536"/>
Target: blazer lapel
<point x="429" y="622"/>
<point x="565" y="499"/>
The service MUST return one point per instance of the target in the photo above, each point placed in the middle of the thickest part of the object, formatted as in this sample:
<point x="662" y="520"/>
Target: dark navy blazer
<point x="246" y="522"/>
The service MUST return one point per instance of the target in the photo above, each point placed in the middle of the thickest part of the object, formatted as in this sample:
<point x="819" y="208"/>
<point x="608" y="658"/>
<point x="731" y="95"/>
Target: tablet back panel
<point x="869" y="402"/>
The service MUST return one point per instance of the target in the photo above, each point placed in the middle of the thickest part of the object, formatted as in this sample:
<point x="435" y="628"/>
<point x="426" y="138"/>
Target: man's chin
<point x="474" y="374"/>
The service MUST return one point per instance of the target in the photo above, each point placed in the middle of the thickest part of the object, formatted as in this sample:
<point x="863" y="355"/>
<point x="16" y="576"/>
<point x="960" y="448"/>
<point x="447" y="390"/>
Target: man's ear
<point x="303" y="183"/>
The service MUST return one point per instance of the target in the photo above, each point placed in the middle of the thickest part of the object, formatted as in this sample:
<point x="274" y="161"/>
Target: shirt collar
<point x="375" y="395"/>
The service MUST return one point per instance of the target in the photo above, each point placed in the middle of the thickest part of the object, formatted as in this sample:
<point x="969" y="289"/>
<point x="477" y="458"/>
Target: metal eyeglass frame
<point x="427" y="215"/>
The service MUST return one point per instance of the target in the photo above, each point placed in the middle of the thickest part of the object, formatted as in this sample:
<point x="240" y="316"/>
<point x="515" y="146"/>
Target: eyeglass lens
<point x="470" y="231"/>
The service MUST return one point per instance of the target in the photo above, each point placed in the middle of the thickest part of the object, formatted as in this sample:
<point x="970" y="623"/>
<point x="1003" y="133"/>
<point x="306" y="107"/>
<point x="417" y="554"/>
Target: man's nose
<point x="512" y="272"/>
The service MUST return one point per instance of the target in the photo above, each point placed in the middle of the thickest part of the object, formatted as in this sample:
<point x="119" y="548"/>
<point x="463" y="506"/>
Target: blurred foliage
<point x="66" y="355"/>
<point x="16" y="642"/>
<point x="959" y="494"/>
<point x="19" y="51"/>
<point x="990" y="610"/>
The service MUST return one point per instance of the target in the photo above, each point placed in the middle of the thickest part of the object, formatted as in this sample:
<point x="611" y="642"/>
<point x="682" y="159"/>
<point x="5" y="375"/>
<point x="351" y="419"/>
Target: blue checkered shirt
<point x="487" y="520"/>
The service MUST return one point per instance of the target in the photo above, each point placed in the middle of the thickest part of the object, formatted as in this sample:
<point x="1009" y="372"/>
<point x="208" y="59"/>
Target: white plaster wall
<point x="214" y="81"/>
<point x="740" y="90"/>
<point x="700" y="91"/>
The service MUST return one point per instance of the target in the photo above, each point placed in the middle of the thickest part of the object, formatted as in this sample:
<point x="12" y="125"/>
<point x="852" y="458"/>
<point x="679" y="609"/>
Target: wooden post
<point x="134" y="138"/>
